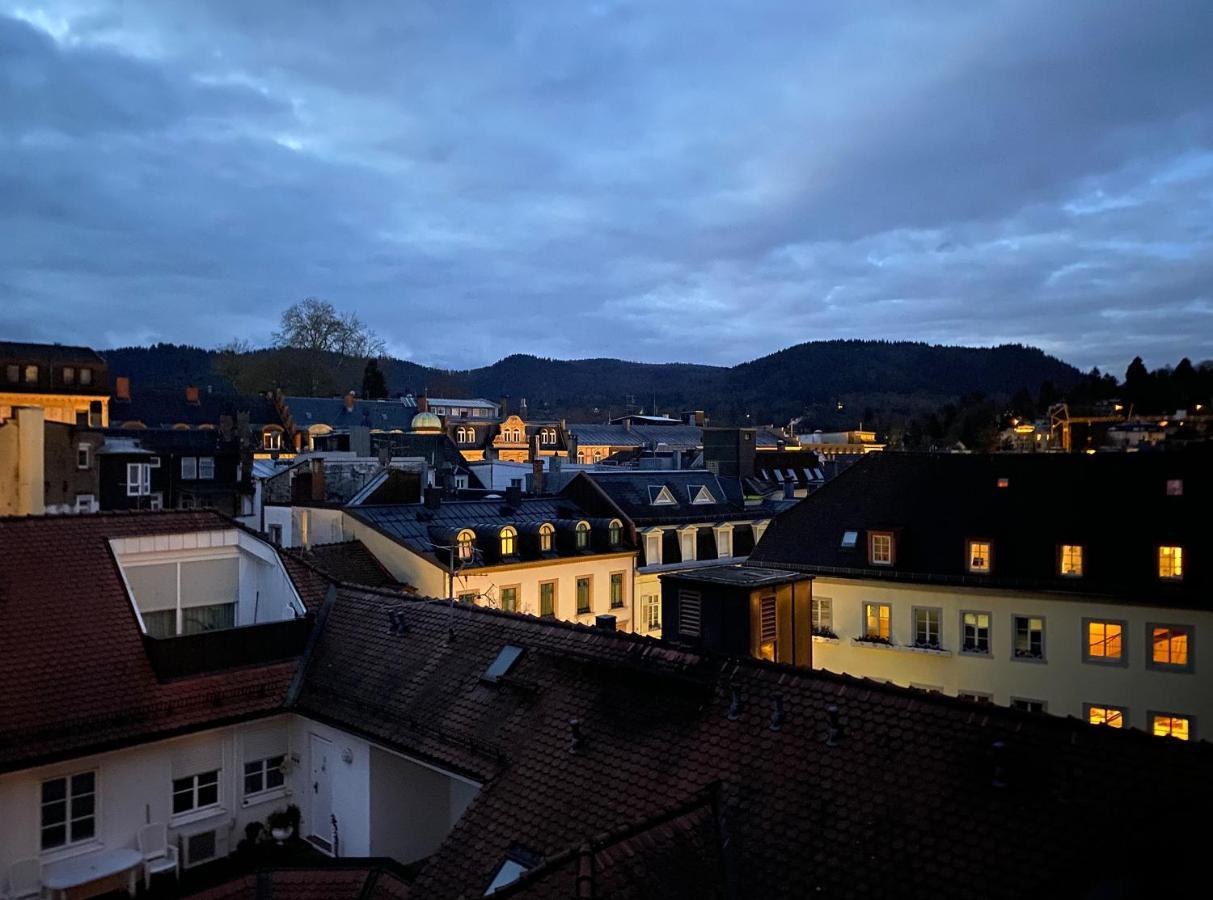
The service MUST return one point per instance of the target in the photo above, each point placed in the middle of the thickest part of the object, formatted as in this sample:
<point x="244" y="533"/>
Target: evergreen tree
<point x="374" y="386"/>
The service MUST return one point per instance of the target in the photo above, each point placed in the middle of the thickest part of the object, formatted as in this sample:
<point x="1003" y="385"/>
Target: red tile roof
<point x="74" y="676"/>
<point x="358" y="881"/>
<point x="348" y="562"/>
<point x="912" y="798"/>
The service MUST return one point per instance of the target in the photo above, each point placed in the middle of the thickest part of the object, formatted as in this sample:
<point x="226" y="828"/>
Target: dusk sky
<point x="701" y="182"/>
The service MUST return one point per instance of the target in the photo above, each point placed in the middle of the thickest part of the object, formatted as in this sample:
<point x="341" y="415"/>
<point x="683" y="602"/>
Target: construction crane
<point x="1060" y="422"/>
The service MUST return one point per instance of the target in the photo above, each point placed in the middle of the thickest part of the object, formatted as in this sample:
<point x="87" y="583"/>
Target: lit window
<point x="849" y="540"/>
<point x="69" y="375"/>
<point x="877" y="624"/>
<point x="615" y="533"/>
<point x="651" y="607"/>
<point x="583" y="535"/>
<point x="927" y="627"/>
<point x="69" y="809"/>
<point x="1171" y="646"/>
<point x="86" y="376"/>
<point x="464" y="544"/>
<point x="271" y="440"/>
<point x="616" y="590"/>
<point x="1105" y="641"/>
<point x="979" y="557"/>
<point x="1071" y="560"/>
<point x="881" y="547"/>
<point x="1171" y="562"/>
<point x="1029" y="637"/>
<point x="583" y="595"/>
<point x="263" y="775"/>
<point x="31" y="374"/>
<point x="509" y="598"/>
<point x="976" y="628"/>
<point x="509" y="541"/>
<point x="195" y="792"/>
<point x="823" y="616"/>
<point x="768" y="637"/>
<point x="1167" y="725"/>
<point x="13" y="373"/>
<point x="1112" y="716"/>
<point x="547" y="534"/>
<point x="547" y="598"/>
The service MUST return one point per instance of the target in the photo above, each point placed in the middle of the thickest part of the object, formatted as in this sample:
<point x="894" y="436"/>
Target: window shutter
<point x="192" y="756"/>
<point x="262" y="743"/>
<point x="767" y="616"/>
<point x="689" y="613"/>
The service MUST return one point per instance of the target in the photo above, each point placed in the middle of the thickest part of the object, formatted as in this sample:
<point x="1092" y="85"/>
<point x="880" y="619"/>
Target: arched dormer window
<point x="615" y="532"/>
<point x="509" y="540"/>
<point x="583" y="535"/>
<point x="271" y="438"/>
<point x="464" y="544"/>
<point x="547" y="537"/>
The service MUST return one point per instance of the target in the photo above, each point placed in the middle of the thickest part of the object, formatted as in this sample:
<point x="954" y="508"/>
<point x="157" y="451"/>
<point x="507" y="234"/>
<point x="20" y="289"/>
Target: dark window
<point x="547" y="598"/>
<point x="263" y="775"/>
<point x="86" y="377"/>
<point x="196" y="792"/>
<point x="616" y="590"/>
<point x="583" y="595"/>
<point x="69" y="809"/>
<point x="705" y="544"/>
<point x="743" y="540"/>
<point x="671" y="548"/>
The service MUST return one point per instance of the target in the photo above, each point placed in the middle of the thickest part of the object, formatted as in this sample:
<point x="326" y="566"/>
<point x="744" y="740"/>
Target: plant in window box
<point x="825" y="633"/>
<point x="927" y="645"/>
<point x="284" y="823"/>
<point x="874" y="639"/>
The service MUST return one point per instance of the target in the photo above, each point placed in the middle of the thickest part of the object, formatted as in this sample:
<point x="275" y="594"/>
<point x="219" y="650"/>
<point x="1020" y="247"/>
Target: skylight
<point x="661" y="496"/>
<point x="700" y="494"/>
<point x="849" y="539"/>
<point x="501" y="665"/>
<point x="508" y="872"/>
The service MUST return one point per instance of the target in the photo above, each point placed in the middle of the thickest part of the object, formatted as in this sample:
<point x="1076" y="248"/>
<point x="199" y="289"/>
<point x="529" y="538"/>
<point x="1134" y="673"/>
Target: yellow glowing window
<point x="979" y="556"/>
<point x="1071" y="560"/>
<point x="508" y="541"/>
<point x="1104" y="640"/>
<point x="1170" y="726"/>
<point x="882" y="549"/>
<point x="464" y="544"/>
<point x="1170" y="646"/>
<point x="877" y="621"/>
<point x="1170" y="562"/>
<point x="547" y="534"/>
<point x="1106" y="715"/>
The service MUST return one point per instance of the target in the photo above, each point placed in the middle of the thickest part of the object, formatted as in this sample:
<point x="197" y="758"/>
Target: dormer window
<point x="880" y="548"/>
<point x="547" y="535"/>
<point x="509" y="541"/>
<point x="86" y="377"/>
<point x="464" y="544"/>
<point x="69" y="375"/>
<point x="700" y="495"/>
<point x="1171" y="563"/>
<point x="615" y="532"/>
<point x="31" y="374"/>
<point x="661" y="496"/>
<point x="583" y="535"/>
<point x="849" y="540"/>
<point x="1071" y="560"/>
<point x="978" y="557"/>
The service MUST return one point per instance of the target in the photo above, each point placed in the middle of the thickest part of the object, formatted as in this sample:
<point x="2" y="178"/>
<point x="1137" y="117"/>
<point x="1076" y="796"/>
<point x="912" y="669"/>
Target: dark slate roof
<point x="349" y="562"/>
<point x="435" y="449"/>
<point x="667" y="437"/>
<point x="75" y="676"/>
<point x="165" y="408"/>
<point x="331" y="411"/>
<point x="632" y="491"/>
<point x="419" y="528"/>
<point x="1115" y="505"/>
<point x="737" y="575"/>
<point x="56" y="354"/>
<point x="912" y="797"/>
<point x="177" y="440"/>
<point x="605" y="435"/>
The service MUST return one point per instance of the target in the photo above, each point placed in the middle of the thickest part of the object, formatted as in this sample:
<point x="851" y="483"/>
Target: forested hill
<point x="864" y="378"/>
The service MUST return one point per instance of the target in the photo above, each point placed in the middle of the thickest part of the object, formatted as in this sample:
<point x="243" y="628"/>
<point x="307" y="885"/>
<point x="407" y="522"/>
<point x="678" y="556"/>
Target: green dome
<point x="426" y="421"/>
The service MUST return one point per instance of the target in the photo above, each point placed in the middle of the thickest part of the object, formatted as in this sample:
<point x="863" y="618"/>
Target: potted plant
<point x="282" y="824"/>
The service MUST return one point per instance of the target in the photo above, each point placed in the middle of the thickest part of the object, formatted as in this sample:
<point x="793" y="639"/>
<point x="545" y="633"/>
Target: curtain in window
<point x="208" y="618"/>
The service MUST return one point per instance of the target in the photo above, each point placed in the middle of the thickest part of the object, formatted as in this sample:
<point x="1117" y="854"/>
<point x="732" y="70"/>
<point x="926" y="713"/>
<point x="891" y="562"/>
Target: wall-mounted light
<point x="347" y="756"/>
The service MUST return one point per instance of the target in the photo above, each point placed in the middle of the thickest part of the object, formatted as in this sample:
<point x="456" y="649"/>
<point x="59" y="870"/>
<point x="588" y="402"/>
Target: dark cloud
<point x="653" y="181"/>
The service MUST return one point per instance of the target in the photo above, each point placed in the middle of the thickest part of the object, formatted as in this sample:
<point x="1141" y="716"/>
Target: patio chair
<point x="158" y="854"/>
<point x="24" y="879"/>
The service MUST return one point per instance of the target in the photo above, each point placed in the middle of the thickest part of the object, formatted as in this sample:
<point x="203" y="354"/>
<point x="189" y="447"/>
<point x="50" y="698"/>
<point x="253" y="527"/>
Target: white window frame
<point x="988" y="567"/>
<point x="206" y="464"/>
<point x="263" y="770"/>
<point x="1016" y="618"/>
<point x="193" y="791"/>
<point x="1068" y="571"/>
<point x="880" y="548"/>
<point x="652" y="542"/>
<point x="863" y="622"/>
<point x="189" y="468"/>
<point x="84" y="503"/>
<point x="989" y="651"/>
<point x="68" y="819"/>
<point x="142" y="484"/>
<point x="934" y="612"/>
<point x="822" y="615"/>
<point x="84" y="456"/>
<point x="651" y="609"/>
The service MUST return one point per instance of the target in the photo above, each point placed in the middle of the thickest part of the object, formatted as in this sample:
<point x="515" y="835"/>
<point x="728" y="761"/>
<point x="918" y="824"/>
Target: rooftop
<point x="741" y="576"/>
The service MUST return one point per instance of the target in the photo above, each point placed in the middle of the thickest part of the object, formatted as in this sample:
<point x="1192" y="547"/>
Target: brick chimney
<point x="191" y="395"/>
<point x="122" y="387"/>
<point x="423" y="403"/>
<point x="505" y="405"/>
<point x="318" y="489"/>
<point x="349" y="402"/>
<point x="522" y="409"/>
<point x="537" y="474"/>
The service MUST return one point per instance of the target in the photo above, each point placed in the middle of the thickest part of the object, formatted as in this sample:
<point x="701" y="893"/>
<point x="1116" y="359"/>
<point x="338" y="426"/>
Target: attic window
<point x="502" y="664"/>
<point x="1175" y="487"/>
<point x="546" y="533"/>
<point x="700" y="495"/>
<point x="849" y="540"/>
<point x="583" y="535"/>
<point x="509" y="541"/>
<point x="615" y="532"/>
<point x="464" y="544"/>
<point x="661" y="496"/>
<point x="1004" y="482"/>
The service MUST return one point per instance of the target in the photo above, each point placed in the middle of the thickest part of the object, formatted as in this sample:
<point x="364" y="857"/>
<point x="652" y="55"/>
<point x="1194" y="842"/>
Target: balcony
<point x="227" y="648"/>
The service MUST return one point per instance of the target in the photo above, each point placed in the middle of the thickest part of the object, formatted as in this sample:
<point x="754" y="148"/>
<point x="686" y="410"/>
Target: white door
<point x="320" y="827"/>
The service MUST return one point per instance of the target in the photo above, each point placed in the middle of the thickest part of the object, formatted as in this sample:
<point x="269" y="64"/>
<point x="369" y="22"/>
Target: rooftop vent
<point x="604" y="621"/>
<point x="735" y="705"/>
<point x="834" y="735"/>
<point x="576" y="741"/>
<point x="396" y="622"/>
<point x="998" y="759"/>
<point x="777" y="714"/>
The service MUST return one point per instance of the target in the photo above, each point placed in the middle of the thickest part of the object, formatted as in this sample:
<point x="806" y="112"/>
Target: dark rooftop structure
<point x="739" y="576"/>
<point x="673" y="496"/>
<point x="348" y="562"/>
<point x="50" y="365"/>
<point x="1120" y="507"/>
<point x="347" y="412"/>
<point x="689" y="774"/>
<point x="192" y="406"/>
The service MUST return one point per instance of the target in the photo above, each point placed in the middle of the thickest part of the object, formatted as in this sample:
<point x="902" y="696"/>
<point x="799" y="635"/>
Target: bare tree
<point x="315" y="325"/>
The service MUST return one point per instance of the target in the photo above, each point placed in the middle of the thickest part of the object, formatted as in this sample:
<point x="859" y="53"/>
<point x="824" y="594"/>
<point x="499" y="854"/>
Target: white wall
<point x="134" y="787"/>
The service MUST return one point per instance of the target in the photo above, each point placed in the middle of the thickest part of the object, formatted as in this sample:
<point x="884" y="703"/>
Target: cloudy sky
<point x="652" y="180"/>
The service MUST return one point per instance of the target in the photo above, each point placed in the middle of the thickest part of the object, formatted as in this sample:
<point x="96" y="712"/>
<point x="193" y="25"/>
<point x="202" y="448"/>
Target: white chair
<point x="24" y="879"/>
<point x="158" y="854"/>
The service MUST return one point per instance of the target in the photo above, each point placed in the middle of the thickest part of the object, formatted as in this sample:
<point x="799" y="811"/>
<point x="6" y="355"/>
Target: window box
<point x="825" y="639"/>
<point x="929" y="649"/>
<point x="880" y="642"/>
<point x="827" y="633"/>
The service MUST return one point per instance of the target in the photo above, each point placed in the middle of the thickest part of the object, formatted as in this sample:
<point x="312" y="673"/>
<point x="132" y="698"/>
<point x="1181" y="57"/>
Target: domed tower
<point x="426" y="423"/>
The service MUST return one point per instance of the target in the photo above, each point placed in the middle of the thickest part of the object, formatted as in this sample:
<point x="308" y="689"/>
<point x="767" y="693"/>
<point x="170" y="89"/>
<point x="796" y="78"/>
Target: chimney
<point x="122" y="387"/>
<point x="191" y="395"/>
<point x="998" y="756"/>
<point x="781" y="445"/>
<point x="318" y="491"/>
<point x="627" y="424"/>
<point x="433" y="497"/>
<point x="349" y="402"/>
<point x="522" y="409"/>
<point x="604" y="621"/>
<point x="537" y="475"/>
<point x="835" y="733"/>
<point x="505" y="405"/>
<point x="789" y="490"/>
<point x="576" y="742"/>
<point x="423" y="403"/>
<point x="513" y="494"/>
<point x="777" y="714"/>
